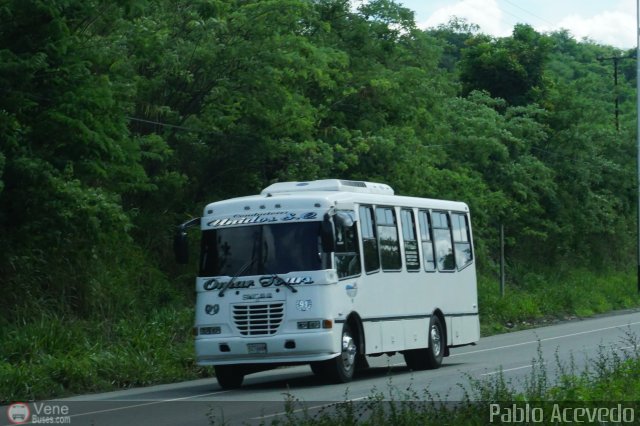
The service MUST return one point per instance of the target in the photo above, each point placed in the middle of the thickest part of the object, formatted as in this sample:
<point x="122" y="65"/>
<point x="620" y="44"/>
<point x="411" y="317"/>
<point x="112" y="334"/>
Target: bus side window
<point x="369" y="240"/>
<point x="442" y="238"/>
<point x="427" y="242"/>
<point x="347" y="251"/>
<point x="412" y="259"/>
<point x="389" y="242"/>
<point x="462" y="239"/>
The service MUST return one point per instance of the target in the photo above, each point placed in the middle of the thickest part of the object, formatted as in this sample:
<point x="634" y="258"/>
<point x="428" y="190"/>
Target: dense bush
<point x="119" y="120"/>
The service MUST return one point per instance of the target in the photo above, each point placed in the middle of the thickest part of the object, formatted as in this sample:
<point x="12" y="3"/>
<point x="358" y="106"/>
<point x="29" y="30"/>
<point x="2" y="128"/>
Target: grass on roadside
<point x="58" y="356"/>
<point x="542" y="298"/>
<point x="53" y="355"/>
<point x="611" y="380"/>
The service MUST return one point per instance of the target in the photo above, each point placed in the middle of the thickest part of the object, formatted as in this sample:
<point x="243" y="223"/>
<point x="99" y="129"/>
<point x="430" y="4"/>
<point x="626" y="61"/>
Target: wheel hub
<point x="348" y="351"/>
<point x="435" y="340"/>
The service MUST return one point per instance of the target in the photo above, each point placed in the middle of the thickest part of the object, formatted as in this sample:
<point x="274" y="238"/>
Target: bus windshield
<point x="261" y="249"/>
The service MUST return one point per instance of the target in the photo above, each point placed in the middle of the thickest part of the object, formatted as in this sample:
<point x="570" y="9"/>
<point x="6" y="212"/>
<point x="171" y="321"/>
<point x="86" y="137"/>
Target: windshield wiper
<point x="240" y="272"/>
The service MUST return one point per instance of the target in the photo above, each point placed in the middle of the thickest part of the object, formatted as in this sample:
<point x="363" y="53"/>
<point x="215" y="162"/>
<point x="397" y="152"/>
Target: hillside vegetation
<point x="121" y="119"/>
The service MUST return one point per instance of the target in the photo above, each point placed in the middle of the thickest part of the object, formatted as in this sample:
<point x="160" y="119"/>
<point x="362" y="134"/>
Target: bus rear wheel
<point x="431" y="357"/>
<point x="229" y="376"/>
<point x="437" y="341"/>
<point x="341" y="368"/>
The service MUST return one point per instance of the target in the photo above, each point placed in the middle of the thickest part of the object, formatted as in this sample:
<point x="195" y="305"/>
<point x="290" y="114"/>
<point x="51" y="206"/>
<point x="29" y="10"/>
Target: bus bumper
<point x="288" y="348"/>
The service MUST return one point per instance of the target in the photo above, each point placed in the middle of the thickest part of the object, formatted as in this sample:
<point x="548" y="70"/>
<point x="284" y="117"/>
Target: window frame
<point x="465" y="217"/>
<point x="355" y="245"/>
<point x="397" y="236"/>
<point x="362" y="239"/>
<point x="430" y="241"/>
<point x="449" y="228"/>
<point x="414" y="230"/>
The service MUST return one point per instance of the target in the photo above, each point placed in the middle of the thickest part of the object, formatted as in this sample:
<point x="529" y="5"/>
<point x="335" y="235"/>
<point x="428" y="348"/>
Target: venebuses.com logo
<point x="18" y="413"/>
<point x="50" y="412"/>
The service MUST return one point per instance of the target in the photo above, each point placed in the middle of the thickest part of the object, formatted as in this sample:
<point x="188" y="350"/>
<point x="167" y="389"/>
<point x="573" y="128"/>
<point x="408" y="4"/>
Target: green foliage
<point x="511" y="68"/>
<point x="539" y="298"/>
<point x="121" y="119"/>
<point x="55" y="356"/>
<point x="117" y="112"/>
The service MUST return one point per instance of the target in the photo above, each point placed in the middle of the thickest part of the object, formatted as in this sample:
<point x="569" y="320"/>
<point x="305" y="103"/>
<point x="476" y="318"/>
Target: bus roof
<point x="329" y="185"/>
<point x="324" y="194"/>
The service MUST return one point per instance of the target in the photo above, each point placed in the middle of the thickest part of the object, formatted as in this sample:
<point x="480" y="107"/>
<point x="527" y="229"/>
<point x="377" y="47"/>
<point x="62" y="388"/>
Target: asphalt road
<point x="261" y="399"/>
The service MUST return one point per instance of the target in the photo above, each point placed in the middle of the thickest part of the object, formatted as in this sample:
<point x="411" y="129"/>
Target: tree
<point x="67" y="153"/>
<point x="511" y="68"/>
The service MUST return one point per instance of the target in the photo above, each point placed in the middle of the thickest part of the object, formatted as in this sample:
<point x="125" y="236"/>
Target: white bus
<point x="329" y="272"/>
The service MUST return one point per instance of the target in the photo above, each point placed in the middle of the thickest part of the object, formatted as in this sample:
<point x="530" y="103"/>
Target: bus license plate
<point x="257" y="348"/>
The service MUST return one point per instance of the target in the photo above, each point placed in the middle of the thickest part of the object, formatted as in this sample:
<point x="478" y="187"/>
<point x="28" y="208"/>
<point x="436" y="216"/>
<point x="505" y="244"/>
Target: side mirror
<point x="181" y="242"/>
<point x="344" y="219"/>
<point x="181" y="246"/>
<point x="328" y="235"/>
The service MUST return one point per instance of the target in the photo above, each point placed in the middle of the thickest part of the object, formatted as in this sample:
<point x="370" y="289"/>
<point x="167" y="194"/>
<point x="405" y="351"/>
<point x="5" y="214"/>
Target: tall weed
<point x="537" y="298"/>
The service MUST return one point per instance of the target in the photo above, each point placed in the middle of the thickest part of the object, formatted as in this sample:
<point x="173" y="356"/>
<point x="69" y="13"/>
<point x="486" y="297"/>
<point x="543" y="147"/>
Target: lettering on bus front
<point x="265" y="281"/>
<point x="274" y="280"/>
<point x="252" y="218"/>
<point x="214" y="284"/>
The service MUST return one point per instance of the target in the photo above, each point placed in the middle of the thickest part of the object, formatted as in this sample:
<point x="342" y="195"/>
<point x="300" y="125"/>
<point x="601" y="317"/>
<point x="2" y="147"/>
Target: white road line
<point x="545" y="339"/>
<point x="354" y="399"/>
<point x="308" y="408"/>
<point x="509" y="369"/>
<point x="622" y="348"/>
<point x="143" y="405"/>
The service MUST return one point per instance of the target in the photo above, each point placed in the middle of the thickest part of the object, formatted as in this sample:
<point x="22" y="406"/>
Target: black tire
<point x="416" y="359"/>
<point x="431" y="357"/>
<point x="341" y="368"/>
<point x="229" y="376"/>
<point x="437" y="342"/>
<point x="317" y="368"/>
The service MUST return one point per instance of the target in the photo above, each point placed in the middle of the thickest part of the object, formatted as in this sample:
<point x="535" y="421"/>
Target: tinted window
<point x="369" y="240"/>
<point x="347" y="252"/>
<point x="462" y="239"/>
<point x="388" y="237"/>
<point x="260" y="249"/>
<point x="426" y="241"/>
<point x="412" y="259"/>
<point x="442" y="238"/>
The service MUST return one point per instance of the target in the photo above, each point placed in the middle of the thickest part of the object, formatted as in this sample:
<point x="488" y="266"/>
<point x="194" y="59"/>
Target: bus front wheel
<point x="341" y="368"/>
<point x="229" y="376"/>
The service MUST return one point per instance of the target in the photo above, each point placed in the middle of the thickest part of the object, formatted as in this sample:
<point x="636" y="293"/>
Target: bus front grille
<point x="258" y="320"/>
